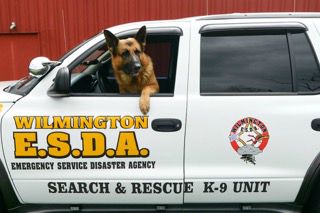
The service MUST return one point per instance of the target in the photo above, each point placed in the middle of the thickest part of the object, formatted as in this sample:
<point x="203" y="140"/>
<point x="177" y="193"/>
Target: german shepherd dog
<point x="132" y="67"/>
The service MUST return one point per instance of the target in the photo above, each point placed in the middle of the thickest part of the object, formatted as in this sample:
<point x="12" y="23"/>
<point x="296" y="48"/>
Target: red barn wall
<point x="55" y="26"/>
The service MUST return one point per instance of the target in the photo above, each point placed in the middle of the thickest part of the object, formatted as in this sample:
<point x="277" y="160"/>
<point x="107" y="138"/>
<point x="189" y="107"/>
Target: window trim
<point x="153" y="31"/>
<point x="253" y="26"/>
<point x="289" y="28"/>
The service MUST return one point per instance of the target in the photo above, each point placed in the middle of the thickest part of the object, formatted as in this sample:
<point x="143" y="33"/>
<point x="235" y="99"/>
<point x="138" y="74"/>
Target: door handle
<point x="315" y="124"/>
<point x="166" y="125"/>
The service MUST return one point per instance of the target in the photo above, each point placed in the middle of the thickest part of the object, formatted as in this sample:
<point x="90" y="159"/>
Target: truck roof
<point x="259" y="15"/>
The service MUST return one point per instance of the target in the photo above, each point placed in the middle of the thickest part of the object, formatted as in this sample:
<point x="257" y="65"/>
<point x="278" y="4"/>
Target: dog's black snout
<point x="136" y="63"/>
<point x="137" y="67"/>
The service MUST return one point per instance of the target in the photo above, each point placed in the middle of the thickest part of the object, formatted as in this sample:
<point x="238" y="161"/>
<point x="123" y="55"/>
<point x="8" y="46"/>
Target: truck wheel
<point x="313" y="203"/>
<point x="2" y="206"/>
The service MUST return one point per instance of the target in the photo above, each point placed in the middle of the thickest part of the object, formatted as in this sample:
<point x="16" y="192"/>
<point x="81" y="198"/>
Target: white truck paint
<point x="196" y="164"/>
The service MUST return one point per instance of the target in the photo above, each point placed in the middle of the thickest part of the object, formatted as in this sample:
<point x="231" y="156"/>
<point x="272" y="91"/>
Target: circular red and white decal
<point x="248" y="137"/>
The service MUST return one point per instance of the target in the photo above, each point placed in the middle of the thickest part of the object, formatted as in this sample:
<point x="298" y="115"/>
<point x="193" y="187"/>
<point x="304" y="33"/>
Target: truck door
<point x="97" y="147"/>
<point x="253" y="92"/>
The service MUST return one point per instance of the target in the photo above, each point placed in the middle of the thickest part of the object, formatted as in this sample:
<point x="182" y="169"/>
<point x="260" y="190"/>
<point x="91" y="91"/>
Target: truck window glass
<point x="162" y="49"/>
<point x="248" y="62"/>
<point x="306" y="66"/>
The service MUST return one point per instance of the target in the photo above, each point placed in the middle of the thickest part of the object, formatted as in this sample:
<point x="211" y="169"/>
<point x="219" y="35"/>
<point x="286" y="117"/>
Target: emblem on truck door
<point x="248" y="137"/>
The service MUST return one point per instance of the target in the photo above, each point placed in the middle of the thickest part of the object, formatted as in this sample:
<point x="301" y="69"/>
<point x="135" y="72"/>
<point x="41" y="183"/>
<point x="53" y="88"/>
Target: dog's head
<point x="126" y="53"/>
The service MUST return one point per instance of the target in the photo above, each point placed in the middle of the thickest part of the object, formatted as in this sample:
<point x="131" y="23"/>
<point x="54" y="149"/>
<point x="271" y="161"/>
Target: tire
<point x="313" y="203"/>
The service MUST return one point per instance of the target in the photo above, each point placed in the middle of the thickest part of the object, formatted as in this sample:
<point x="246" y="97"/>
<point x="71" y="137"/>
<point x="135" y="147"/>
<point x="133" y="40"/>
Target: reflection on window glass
<point x="82" y="66"/>
<point x="245" y="62"/>
<point x="307" y="70"/>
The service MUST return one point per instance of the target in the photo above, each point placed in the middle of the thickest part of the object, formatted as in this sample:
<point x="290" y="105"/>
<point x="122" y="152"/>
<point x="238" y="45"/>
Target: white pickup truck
<point x="235" y="126"/>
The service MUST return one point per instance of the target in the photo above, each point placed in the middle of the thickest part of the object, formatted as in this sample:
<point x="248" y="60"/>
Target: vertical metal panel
<point x="22" y="12"/>
<point x="305" y="6"/>
<point x="4" y="16"/>
<point x="19" y="50"/>
<point x="61" y="24"/>
<point x="83" y="21"/>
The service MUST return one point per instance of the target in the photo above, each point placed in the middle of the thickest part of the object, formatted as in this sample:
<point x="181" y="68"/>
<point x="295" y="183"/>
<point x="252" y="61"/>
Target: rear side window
<point x="256" y="61"/>
<point x="306" y="66"/>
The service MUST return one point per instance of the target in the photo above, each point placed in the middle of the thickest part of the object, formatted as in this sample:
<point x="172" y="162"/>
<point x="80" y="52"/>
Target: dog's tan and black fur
<point x="133" y="68"/>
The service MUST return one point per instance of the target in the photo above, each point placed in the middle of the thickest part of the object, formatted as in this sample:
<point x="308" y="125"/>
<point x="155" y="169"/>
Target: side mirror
<point x="61" y="85"/>
<point x="40" y="65"/>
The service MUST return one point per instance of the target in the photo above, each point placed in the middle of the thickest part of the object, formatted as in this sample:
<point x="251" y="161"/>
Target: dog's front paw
<point x="144" y="104"/>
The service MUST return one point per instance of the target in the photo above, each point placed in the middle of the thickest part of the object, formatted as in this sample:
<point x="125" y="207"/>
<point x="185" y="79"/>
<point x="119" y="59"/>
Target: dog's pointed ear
<point x="141" y="37"/>
<point x="112" y="41"/>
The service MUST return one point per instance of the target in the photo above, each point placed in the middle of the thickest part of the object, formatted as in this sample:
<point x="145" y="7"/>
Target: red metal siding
<point x="19" y="50"/>
<point x="305" y="6"/>
<point x="23" y="12"/>
<point x="61" y="24"/>
<point x="233" y="6"/>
